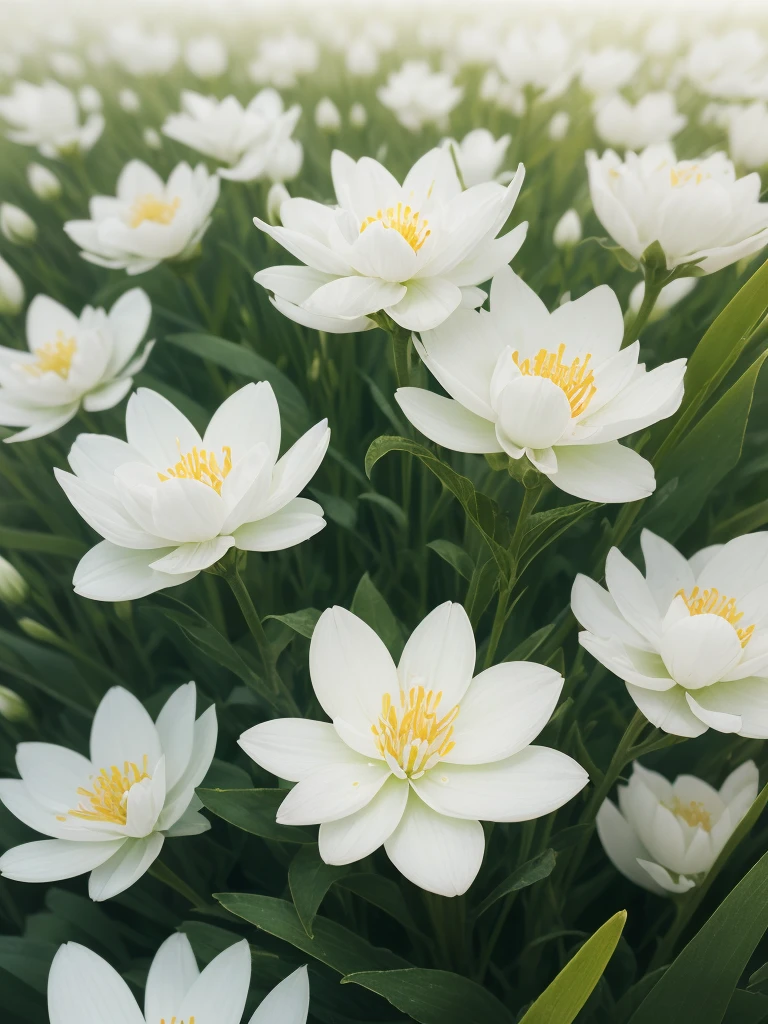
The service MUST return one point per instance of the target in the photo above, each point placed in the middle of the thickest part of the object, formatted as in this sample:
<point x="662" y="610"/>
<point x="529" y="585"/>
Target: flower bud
<point x="559" y="125"/>
<point x="13" y="586"/>
<point x="17" y="226"/>
<point x="567" y="231"/>
<point x="13" y="707"/>
<point x="206" y="56"/>
<point x="276" y="196"/>
<point x="37" y="631"/>
<point x="358" y="116"/>
<point x="669" y="296"/>
<point x="327" y="116"/>
<point x="43" y="182"/>
<point x="90" y="99"/>
<point x="11" y="290"/>
<point x="152" y="138"/>
<point x="128" y="100"/>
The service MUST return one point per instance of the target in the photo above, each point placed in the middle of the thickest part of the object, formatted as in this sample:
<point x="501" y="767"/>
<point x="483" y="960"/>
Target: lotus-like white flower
<point x="416" y="754"/>
<point x="748" y="135"/>
<point x="148" y="221"/>
<point x="480" y="156"/>
<point x="72" y="361"/>
<point x="47" y="116"/>
<point x="140" y="52"/>
<point x="416" y="250"/>
<point x="653" y="119"/>
<point x="206" y="56"/>
<point x="417" y="95"/>
<point x="170" y="503"/>
<point x="556" y="387"/>
<point x="111" y="813"/>
<point x="605" y="71"/>
<point x="281" y="60"/>
<point x="697" y="210"/>
<point x="541" y="59"/>
<point x="665" y="836"/>
<point x="690" y="639"/>
<point x="84" y="989"/>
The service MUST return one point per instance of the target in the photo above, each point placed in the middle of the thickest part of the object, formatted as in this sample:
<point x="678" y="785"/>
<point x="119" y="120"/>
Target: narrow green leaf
<point x="302" y="622"/>
<point x="49" y="671"/>
<point x="530" y="645"/>
<point x="532" y="871"/>
<point x="41" y="543"/>
<point x="544" y="527"/>
<point x="382" y="893"/>
<point x="254" y="811"/>
<point x="746" y="1008"/>
<point x="309" y="879"/>
<point x="390" y="507"/>
<point x="455" y="556"/>
<point x="369" y="605"/>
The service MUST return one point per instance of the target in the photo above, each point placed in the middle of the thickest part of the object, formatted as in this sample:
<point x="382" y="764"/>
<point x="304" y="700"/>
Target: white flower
<point x="276" y="196"/>
<point x="72" y="361"/>
<point x="416" y="754"/>
<point x="206" y="56"/>
<point x="748" y="135"/>
<point x="14" y="589"/>
<point x="556" y="387"/>
<point x="415" y="250"/>
<point x="416" y="95"/>
<point x="558" y="127"/>
<point x="11" y="290"/>
<point x="731" y="65"/>
<point x="280" y="60"/>
<point x="327" y="115"/>
<point x="110" y="814"/>
<point x="358" y="115"/>
<point x="16" y="225"/>
<point x="690" y="639"/>
<point x="539" y="58"/>
<point x="607" y="70"/>
<point x="361" y="58"/>
<point x="143" y="53"/>
<point x="669" y="296"/>
<point x="652" y="120"/>
<point x="696" y="209"/>
<point x="665" y="836"/>
<point x="129" y="100"/>
<point x="90" y="99"/>
<point x="480" y="156"/>
<point x="662" y="37"/>
<point x="148" y="221"/>
<point x="567" y="231"/>
<point x="46" y="116"/>
<point x="66" y="64"/>
<point x="152" y="138"/>
<point x="170" y="503"/>
<point x="84" y="989"/>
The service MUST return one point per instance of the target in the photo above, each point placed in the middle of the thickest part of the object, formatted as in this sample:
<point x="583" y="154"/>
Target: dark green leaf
<point x="369" y="605"/>
<point x="254" y="811"/>
<point x="532" y="871"/>
<point x="544" y="527"/>
<point x="746" y="1008"/>
<point x="530" y="645"/>
<point x="302" y="622"/>
<point x="309" y="879"/>
<point x="382" y="893"/>
<point x="455" y="556"/>
<point x="41" y="543"/>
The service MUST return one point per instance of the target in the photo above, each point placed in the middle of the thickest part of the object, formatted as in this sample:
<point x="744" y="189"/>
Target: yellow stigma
<point x="576" y="379"/>
<point x="108" y="800"/>
<point x="410" y="732"/>
<point x="685" y="175"/>
<point x="712" y="602"/>
<point x="405" y="221"/>
<point x="53" y="357"/>
<point x="693" y="813"/>
<point x="173" y="1020"/>
<point x="200" y="465"/>
<point x="149" y="207"/>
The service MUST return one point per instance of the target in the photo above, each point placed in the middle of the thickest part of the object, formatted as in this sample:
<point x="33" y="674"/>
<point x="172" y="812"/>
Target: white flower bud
<point x="129" y="100"/>
<point x="567" y="231"/>
<point x="11" y="290"/>
<point x="13" y="707"/>
<point x="152" y="138"/>
<point x="559" y="125"/>
<point x="90" y="99"/>
<point x="206" y="56"/>
<point x="17" y="226"/>
<point x="669" y="296"/>
<point x="43" y="182"/>
<point x="358" y="116"/>
<point x="276" y="196"/>
<point x="13" y="586"/>
<point x="327" y="116"/>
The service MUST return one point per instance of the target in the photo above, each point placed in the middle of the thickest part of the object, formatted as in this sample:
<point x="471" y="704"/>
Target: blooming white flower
<point x="84" y="989"/>
<point x="653" y="119"/>
<point x="361" y="58"/>
<point x="111" y="813"/>
<point x="690" y="639"/>
<point x="567" y="231"/>
<point x="697" y="210"/>
<point x="480" y="156"/>
<point x="748" y="135"/>
<point x="665" y="836"/>
<point x="140" y="52"/>
<point x="541" y="59"/>
<point x="556" y="387"/>
<point x="416" y="754"/>
<point x="281" y="60"/>
<point x="327" y="115"/>
<point x="87" y="361"/>
<point x="605" y="71"/>
<point x="415" y="250"/>
<point x="148" y="220"/>
<point x="16" y="225"/>
<point x="416" y="95"/>
<point x="129" y="100"/>
<point x="669" y="296"/>
<point x="358" y="115"/>
<point x="170" y="503"/>
<point x="47" y="116"/>
<point x="730" y="65"/>
<point x="11" y="290"/>
<point x="206" y="56"/>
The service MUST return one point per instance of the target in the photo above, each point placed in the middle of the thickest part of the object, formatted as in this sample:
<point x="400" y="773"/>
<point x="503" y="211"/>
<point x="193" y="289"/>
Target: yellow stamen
<point x="149" y="207"/>
<point x="576" y="379"/>
<point x="173" y="1021"/>
<point x="711" y="602"/>
<point x="411" y="734"/>
<point x="693" y="813"/>
<point x="684" y="175"/>
<point x="405" y="221"/>
<point x="108" y="800"/>
<point x="200" y="465"/>
<point x="53" y="357"/>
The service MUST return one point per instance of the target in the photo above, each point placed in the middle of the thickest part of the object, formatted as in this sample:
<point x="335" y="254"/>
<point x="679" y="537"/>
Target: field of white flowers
<point x="383" y="507"/>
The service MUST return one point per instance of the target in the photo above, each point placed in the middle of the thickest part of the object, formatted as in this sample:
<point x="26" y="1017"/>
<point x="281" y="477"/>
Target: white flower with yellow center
<point x="555" y="387"/>
<point x="87" y="361"/>
<point x="416" y="754"/>
<point x="84" y="989"/>
<point x="46" y="116"/>
<point x="170" y="503"/>
<point x="149" y="220"/>
<point x="690" y="638"/>
<point x="110" y="813"/>
<point x="665" y="836"/>
<point x="415" y="251"/>
<point x="697" y="210"/>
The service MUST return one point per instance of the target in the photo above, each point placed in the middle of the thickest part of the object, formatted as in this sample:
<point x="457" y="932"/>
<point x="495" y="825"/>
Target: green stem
<point x="400" y="339"/>
<point x="655" y="279"/>
<point x="526" y="841"/>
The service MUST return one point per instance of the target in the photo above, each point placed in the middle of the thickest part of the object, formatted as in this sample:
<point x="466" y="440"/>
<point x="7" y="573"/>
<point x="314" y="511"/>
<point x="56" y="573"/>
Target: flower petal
<point x="52" y="860"/>
<point x="171" y="974"/>
<point x="293" y="748"/>
<point x="218" y="995"/>
<point x="440" y="654"/>
<point x="81" y="984"/>
<point x="446" y="422"/>
<point x="357" y="835"/>
<point x="667" y="710"/>
<point x="623" y="846"/>
<point x="132" y="860"/>
<point x="607" y="472"/>
<point x="111" y="573"/>
<point x="333" y="792"/>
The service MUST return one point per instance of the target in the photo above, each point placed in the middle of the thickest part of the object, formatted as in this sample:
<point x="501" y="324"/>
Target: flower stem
<point x="400" y="339"/>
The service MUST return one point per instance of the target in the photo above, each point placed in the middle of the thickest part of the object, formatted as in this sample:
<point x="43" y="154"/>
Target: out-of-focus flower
<point x="696" y="209"/>
<point x="669" y="296"/>
<point x="558" y="127"/>
<point x="46" y="116"/>
<point x="416" y="754"/>
<point x="665" y="836"/>
<point x="13" y="587"/>
<point x="11" y="290"/>
<point x="690" y="639"/>
<point x="475" y="43"/>
<point x="148" y="221"/>
<point x="16" y="225"/>
<point x="86" y="361"/>
<point x="361" y="58"/>
<point x="358" y="115"/>
<point x="143" y="53"/>
<point x="416" y="95"/>
<point x="327" y="115"/>
<point x="276" y="196"/>
<point x="748" y="136"/>
<point x="416" y="250"/>
<point x="152" y="138"/>
<point x="170" y="503"/>
<point x="13" y="707"/>
<point x="607" y="70"/>
<point x="662" y="37"/>
<point x="567" y="231"/>
<point x="111" y="813"/>
<point x="731" y="65"/>
<point x="653" y="119"/>
<point x="206" y="56"/>
<point x="66" y="65"/>
<point x="541" y="59"/>
<point x="129" y="100"/>
<point x="281" y="60"/>
<point x="90" y="99"/>
<point x="480" y="156"/>
<point x="555" y="387"/>
<point x="10" y="64"/>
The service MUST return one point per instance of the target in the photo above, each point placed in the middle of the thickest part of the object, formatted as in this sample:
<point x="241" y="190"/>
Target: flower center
<point x="53" y="357"/>
<point x="405" y="221"/>
<point x="201" y="465"/>
<point x="410" y="736"/>
<point x="149" y="207"/>
<point x="712" y="602"/>
<point x="693" y="813"/>
<point x="108" y="800"/>
<point x="173" y="1020"/>
<point x="679" y="176"/>
<point x="576" y="379"/>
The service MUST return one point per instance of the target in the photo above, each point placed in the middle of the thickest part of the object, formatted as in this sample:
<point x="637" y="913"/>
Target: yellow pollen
<point x="576" y="379"/>
<point x="108" y="800"/>
<point x="712" y="602"/>
<point x="410" y="732"/>
<point x="200" y="465"/>
<point x="685" y="175"/>
<point x="693" y="813"/>
<point x="53" y="357"/>
<point x="173" y="1020"/>
<point x="405" y="221"/>
<point x="149" y="207"/>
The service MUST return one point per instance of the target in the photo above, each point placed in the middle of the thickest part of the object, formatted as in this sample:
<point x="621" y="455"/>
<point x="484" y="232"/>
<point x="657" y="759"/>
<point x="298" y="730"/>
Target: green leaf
<point x="528" y="647"/>
<point x="338" y="509"/>
<point x="746" y="1008"/>
<point x="455" y="556"/>
<point x="482" y="587"/>
<point x="390" y="507"/>
<point x="48" y="671"/>
<point x="382" y="893"/>
<point x="302" y="622"/>
<point x="434" y="997"/>
<point x="544" y="527"/>
<point x="369" y="605"/>
<point x="41" y="543"/>
<point x="254" y="811"/>
<point x="27" y="960"/>
<point x="564" y="997"/>
<point x="532" y="871"/>
<point x="309" y="879"/>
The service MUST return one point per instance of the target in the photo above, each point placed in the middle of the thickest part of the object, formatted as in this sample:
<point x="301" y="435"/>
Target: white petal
<point x="607" y="472"/>
<point x="122" y="730"/>
<point x="597" y="612"/>
<point x="628" y="588"/>
<point x="330" y="324"/>
<point x="333" y="792"/>
<point x="700" y="649"/>
<point x="667" y="710"/>
<point x="111" y="573"/>
<point x="356" y="836"/>
<point x="296" y="468"/>
<point x="51" y="860"/>
<point x="287" y="1003"/>
<point x="293" y="748"/>
<point x="156" y="428"/>
<point x="45" y="318"/>
<point x="593" y="323"/>
<point x="663" y="878"/>
<point x="52" y="773"/>
<point x="132" y="860"/>
<point x="171" y="975"/>
<point x="299" y="520"/>
<point x="218" y="995"/>
<point x="722" y="721"/>
<point x="446" y="422"/>
<point x="81" y="986"/>
<point x="248" y="416"/>
<point x="190" y="558"/>
<point x="623" y="847"/>
<point x="440" y="654"/>
<point x="175" y="726"/>
<point x="351" y="297"/>
<point x="666" y="570"/>
<point x="108" y="395"/>
<point x="426" y="304"/>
